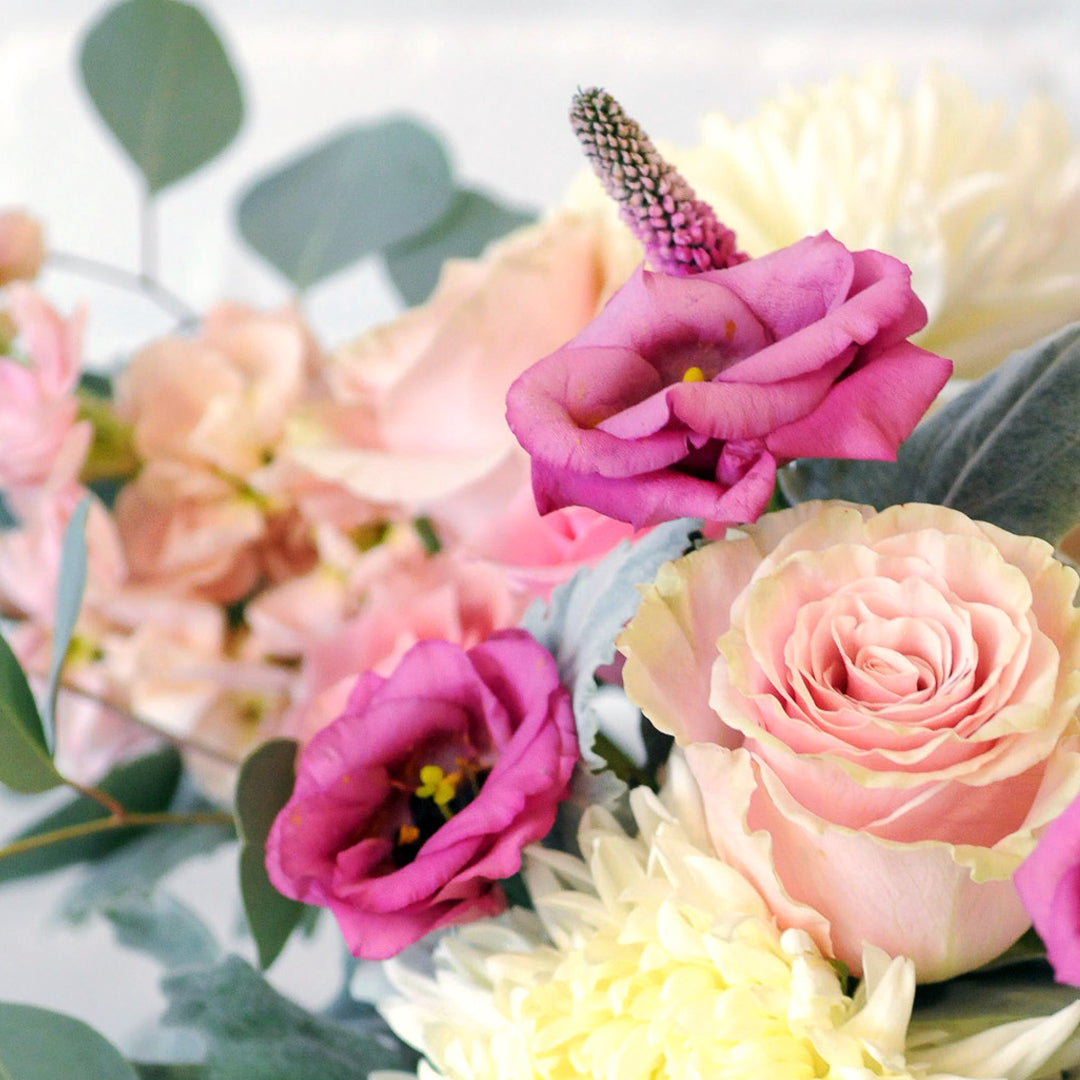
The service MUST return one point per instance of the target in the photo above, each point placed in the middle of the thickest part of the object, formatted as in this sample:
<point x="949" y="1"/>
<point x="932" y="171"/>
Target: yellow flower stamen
<point x="693" y="374"/>
<point x="437" y="785"/>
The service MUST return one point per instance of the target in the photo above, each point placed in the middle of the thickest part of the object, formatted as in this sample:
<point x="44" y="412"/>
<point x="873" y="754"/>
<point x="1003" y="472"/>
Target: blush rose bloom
<point x="879" y="710"/>
<point x="354" y="836"/>
<point x="684" y="394"/>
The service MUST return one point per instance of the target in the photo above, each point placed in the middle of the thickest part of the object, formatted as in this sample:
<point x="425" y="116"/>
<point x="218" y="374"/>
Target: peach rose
<point x="427" y="393"/>
<point x="879" y="710"/>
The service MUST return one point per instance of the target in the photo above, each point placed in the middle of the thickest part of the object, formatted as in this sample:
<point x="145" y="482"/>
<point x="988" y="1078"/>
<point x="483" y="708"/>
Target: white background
<point x="495" y="78"/>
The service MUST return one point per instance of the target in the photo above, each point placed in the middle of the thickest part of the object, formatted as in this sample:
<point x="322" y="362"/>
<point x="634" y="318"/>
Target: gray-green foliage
<point x="585" y="615"/>
<point x="1006" y="450"/>
<point x="252" y="1031"/>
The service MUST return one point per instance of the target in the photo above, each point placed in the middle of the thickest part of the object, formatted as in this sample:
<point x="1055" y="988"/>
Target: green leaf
<point x="154" y="1071"/>
<point x="579" y="626"/>
<point x="255" y="1032"/>
<point x="161" y="81"/>
<point x="263" y="787"/>
<point x="25" y="763"/>
<point x="39" y="1044"/>
<point x="160" y="925"/>
<point x="69" y="594"/>
<point x="356" y="193"/>
<point x="1007" y="450"/>
<point x="470" y="223"/>
<point x="145" y="785"/>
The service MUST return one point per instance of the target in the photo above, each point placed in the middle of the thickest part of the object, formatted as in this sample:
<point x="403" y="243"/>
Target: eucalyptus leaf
<point x="69" y="594"/>
<point x="470" y="223"/>
<point x="255" y="1032"/>
<point x="162" y="82"/>
<point x="1006" y="450"/>
<point x="25" y="762"/>
<point x="145" y="785"/>
<point x="39" y="1044"/>
<point x="585" y="615"/>
<point x="263" y="787"/>
<point x="161" y="926"/>
<point x="356" y="193"/>
<point x="155" y="1071"/>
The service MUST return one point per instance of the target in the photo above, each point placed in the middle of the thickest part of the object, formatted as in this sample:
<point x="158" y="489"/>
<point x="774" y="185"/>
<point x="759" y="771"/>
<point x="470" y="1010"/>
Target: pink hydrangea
<point x="418" y="799"/>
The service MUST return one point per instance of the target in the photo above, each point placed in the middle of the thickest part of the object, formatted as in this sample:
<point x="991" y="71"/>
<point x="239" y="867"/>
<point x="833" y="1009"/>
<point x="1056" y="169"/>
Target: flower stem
<point x="124" y="279"/>
<point x="101" y="825"/>
<point x="181" y="742"/>
<point x="115" y="808"/>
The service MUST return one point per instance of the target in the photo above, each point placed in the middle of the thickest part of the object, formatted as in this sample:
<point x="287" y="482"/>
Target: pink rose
<point x="1048" y="882"/>
<point x="684" y="395"/>
<point x="418" y="405"/>
<point x="879" y="712"/>
<point x="411" y="806"/>
<point x="538" y="552"/>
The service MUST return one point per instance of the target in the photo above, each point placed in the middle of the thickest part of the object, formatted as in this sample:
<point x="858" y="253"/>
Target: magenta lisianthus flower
<point x="411" y="806"/>
<point x="1048" y="882"/>
<point x="684" y="395"/>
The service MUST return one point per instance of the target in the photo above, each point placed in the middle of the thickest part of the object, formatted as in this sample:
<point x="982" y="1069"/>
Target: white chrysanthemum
<point x="985" y="210"/>
<point x="656" y="960"/>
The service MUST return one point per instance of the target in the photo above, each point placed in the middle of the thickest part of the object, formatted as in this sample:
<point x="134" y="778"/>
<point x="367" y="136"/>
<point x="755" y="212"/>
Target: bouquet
<point x="657" y="649"/>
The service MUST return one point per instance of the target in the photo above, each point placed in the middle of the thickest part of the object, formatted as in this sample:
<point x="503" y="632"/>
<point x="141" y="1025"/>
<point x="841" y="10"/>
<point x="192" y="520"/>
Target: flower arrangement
<point x="657" y="649"/>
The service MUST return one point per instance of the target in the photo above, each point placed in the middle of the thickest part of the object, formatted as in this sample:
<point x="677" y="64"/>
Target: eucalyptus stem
<point x="147" y="238"/>
<point x="181" y="742"/>
<point x="165" y="299"/>
<point x="125" y="820"/>
<point x="116" y="809"/>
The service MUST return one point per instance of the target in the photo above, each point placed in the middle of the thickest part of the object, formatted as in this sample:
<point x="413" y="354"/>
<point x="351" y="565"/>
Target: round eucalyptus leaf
<point x="39" y="1044"/>
<point x="472" y="221"/>
<point x="356" y="193"/>
<point x="161" y="81"/>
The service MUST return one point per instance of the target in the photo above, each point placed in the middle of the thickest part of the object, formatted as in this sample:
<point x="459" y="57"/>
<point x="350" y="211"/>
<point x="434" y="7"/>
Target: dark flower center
<point x="435" y="800"/>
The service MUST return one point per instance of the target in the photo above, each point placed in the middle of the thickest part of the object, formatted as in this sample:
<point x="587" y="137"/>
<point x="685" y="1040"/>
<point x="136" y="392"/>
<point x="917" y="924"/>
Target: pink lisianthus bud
<point x="22" y="246"/>
<point x="680" y="233"/>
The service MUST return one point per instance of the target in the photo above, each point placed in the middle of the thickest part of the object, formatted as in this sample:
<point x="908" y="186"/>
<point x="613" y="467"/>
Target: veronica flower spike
<point x="680" y="233"/>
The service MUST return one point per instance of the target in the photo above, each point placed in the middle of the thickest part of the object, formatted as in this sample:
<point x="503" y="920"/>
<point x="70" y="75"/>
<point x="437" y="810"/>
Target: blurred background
<point x="494" y="79"/>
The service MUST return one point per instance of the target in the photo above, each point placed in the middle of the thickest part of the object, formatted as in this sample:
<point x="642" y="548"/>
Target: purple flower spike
<point x="680" y="233"/>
